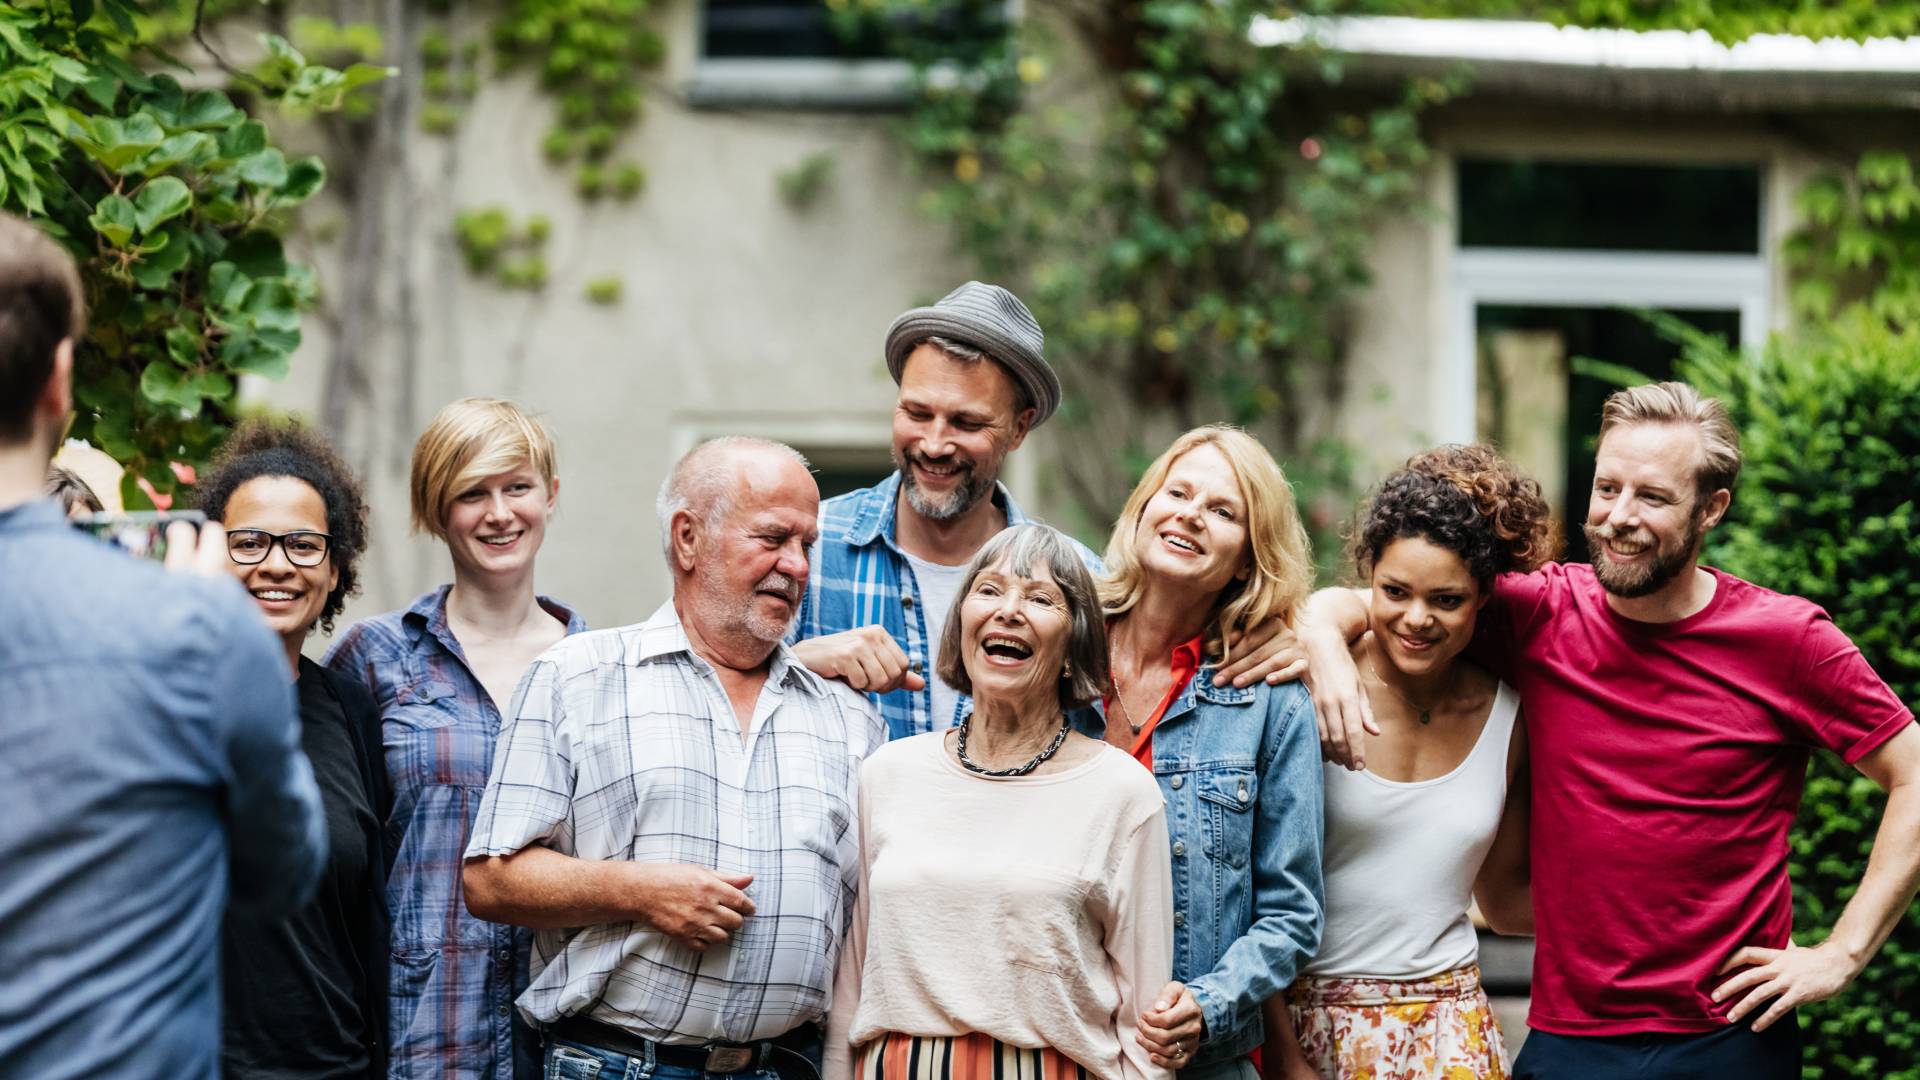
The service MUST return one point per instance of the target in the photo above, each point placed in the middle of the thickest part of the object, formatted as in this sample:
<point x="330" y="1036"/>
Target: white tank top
<point x="1401" y="858"/>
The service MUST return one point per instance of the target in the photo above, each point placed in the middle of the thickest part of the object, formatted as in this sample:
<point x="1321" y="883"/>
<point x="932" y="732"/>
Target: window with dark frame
<point x="1538" y="401"/>
<point x="805" y="30"/>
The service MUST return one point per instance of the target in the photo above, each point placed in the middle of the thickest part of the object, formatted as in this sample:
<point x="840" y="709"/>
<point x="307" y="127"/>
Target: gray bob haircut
<point x="1018" y="550"/>
<point x="702" y="482"/>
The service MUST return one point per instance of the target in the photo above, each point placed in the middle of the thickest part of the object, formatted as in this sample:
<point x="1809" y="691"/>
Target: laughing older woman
<point x="1015" y="905"/>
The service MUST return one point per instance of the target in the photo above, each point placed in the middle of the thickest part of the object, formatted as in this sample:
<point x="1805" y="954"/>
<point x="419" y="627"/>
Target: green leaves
<point x="266" y="169"/>
<point x="171" y="198"/>
<point x="160" y="201"/>
<point x="1859" y="249"/>
<point x="115" y="219"/>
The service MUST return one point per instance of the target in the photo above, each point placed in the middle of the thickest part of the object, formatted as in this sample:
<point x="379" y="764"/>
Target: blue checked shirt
<point x="859" y="577"/>
<point x="623" y="745"/>
<point x="453" y="978"/>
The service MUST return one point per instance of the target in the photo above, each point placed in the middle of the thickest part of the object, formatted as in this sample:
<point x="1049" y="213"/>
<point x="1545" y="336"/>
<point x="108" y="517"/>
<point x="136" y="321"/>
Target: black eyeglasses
<point x="250" y="546"/>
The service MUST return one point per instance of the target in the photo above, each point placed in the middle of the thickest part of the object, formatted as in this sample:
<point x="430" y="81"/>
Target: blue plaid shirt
<point x="453" y="978"/>
<point x="859" y="577"/>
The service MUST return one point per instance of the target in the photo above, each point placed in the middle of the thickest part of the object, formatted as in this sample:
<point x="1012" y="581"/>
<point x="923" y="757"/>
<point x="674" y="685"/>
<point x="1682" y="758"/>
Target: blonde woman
<point x="443" y="671"/>
<point x="1208" y="546"/>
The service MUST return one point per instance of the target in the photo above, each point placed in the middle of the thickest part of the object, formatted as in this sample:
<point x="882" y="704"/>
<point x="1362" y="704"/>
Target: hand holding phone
<point x="184" y="541"/>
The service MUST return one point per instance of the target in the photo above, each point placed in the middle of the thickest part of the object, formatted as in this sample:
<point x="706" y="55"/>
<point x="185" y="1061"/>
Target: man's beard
<point x="1633" y="582"/>
<point x="974" y="486"/>
<point x="745" y="617"/>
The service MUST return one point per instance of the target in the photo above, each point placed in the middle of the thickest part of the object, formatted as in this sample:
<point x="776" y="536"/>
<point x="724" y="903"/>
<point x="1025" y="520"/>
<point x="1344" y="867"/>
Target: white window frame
<point x="1557" y="277"/>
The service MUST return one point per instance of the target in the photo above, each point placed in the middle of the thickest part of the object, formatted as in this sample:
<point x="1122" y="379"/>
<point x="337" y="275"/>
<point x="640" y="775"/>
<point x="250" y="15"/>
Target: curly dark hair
<point x="265" y="447"/>
<point x="1467" y="499"/>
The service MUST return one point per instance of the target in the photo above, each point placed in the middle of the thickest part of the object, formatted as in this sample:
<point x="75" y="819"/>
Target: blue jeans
<point x="565" y="1059"/>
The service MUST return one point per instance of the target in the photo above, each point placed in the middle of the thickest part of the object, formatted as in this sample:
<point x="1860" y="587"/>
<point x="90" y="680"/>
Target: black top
<point x="306" y="995"/>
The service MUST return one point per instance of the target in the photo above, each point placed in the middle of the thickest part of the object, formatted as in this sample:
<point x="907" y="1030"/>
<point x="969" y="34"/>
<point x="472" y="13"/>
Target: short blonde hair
<point x="1282" y="574"/>
<point x="470" y="440"/>
<point x="1678" y="403"/>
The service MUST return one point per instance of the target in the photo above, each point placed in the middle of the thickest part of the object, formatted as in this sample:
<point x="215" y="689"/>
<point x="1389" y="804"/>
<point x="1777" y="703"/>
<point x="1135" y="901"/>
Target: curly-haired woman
<point x="306" y="993"/>
<point x="1438" y="816"/>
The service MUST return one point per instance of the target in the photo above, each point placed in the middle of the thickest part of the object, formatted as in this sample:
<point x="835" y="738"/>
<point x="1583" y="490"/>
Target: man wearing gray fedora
<point x="974" y="380"/>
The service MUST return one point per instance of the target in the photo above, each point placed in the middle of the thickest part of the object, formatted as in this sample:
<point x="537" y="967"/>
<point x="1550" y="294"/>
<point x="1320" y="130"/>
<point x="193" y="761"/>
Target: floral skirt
<point x="1438" y="1028"/>
<point x="973" y="1056"/>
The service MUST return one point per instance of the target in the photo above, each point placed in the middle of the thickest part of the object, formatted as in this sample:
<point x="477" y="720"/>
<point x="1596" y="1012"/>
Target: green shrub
<point x="1825" y="510"/>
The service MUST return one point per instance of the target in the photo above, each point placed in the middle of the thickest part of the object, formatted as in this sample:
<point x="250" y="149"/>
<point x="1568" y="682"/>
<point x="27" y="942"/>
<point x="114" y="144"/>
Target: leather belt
<point x="714" y="1057"/>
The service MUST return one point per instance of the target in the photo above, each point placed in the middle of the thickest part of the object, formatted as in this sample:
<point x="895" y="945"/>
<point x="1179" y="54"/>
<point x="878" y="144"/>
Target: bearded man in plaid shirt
<point x="672" y="804"/>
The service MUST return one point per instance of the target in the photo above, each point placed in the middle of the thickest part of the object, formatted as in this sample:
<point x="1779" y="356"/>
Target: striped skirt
<point x="1438" y="1028"/>
<point x="973" y="1056"/>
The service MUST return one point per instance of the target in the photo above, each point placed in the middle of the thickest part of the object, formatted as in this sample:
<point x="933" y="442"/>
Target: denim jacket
<point x="1240" y="770"/>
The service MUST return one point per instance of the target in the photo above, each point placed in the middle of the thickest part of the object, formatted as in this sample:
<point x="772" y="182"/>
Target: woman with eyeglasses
<point x="306" y="994"/>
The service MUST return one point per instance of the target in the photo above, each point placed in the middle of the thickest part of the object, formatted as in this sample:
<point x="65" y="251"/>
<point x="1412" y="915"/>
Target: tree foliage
<point x="1859" y="251"/>
<point x="173" y="201"/>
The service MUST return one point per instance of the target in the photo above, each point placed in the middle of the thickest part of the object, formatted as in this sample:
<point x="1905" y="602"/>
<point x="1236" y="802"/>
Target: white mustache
<point x="782" y="584"/>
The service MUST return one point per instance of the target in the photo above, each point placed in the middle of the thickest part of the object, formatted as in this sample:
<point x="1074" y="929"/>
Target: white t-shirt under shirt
<point x="1401" y="859"/>
<point x="938" y="588"/>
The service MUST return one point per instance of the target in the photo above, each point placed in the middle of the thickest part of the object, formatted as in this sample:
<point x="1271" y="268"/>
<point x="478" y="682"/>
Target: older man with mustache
<point x="672" y="804"/>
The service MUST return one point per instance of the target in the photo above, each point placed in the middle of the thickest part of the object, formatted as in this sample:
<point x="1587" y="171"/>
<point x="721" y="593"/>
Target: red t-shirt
<point x="1667" y="762"/>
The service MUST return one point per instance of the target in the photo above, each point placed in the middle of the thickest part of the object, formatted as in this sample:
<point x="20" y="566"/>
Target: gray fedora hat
<point x="990" y="319"/>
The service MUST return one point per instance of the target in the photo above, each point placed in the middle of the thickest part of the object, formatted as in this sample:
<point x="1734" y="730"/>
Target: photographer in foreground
<point x="151" y="760"/>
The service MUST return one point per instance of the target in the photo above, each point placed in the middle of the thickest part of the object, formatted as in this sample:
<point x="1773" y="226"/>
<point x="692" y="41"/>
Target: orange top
<point x="1186" y="661"/>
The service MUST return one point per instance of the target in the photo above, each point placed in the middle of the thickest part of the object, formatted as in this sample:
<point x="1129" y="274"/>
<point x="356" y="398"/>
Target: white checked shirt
<point x="623" y="745"/>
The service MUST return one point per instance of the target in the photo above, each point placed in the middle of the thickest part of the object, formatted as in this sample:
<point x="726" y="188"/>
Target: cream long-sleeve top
<point x="1035" y="909"/>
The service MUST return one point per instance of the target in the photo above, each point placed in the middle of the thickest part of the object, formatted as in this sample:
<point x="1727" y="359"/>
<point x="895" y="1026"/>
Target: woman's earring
<point x="1066" y="671"/>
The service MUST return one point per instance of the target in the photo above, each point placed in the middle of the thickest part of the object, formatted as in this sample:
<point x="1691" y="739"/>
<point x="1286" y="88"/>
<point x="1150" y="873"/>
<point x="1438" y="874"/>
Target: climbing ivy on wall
<point x="593" y="59"/>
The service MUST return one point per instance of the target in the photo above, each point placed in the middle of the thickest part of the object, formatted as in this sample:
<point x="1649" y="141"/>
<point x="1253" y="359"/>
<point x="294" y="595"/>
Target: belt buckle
<point x="728" y="1059"/>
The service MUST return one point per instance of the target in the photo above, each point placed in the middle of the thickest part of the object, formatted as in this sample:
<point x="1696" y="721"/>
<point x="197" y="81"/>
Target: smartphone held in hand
<point x="140" y="533"/>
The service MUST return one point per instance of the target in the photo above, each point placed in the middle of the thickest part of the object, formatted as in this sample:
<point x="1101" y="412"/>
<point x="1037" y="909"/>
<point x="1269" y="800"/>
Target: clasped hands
<point x="1171" y="1028"/>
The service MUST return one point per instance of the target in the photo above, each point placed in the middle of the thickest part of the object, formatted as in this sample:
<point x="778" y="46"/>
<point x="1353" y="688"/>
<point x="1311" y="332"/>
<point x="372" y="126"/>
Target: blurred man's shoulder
<point x="98" y="593"/>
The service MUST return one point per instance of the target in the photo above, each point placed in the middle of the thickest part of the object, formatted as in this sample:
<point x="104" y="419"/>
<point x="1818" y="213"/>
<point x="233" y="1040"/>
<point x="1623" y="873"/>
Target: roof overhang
<point x="1618" y="68"/>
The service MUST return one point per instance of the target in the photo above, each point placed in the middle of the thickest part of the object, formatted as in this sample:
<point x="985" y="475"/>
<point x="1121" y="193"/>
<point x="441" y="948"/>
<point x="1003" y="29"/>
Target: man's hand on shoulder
<point x="694" y="905"/>
<point x="866" y="658"/>
<point x="1791" y="977"/>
